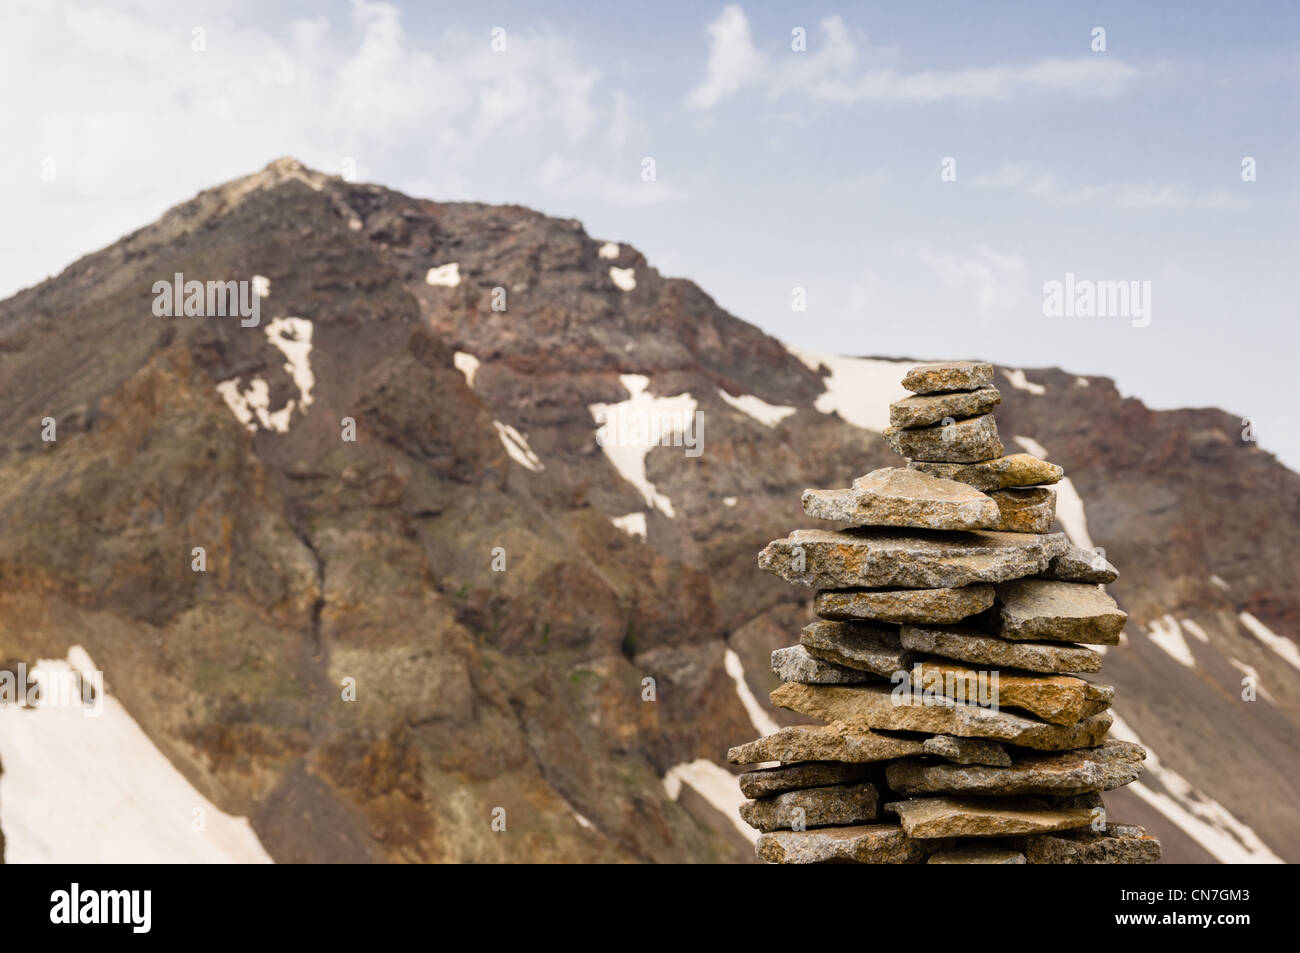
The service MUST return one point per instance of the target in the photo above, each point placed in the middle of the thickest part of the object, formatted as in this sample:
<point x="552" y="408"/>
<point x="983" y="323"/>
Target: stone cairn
<point x="944" y="661"/>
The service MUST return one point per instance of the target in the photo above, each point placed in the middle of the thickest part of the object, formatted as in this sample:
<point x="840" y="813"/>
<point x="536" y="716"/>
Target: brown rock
<point x="921" y="411"/>
<point x="856" y="645"/>
<point x="812" y="807"/>
<point x="763" y="782"/>
<point x="968" y="644"/>
<point x="871" y="706"/>
<point x="978" y="854"/>
<point x="1103" y="768"/>
<point x="896" y="496"/>
<point x="1081" y="565"/>
<point x="864" y="844"/>
<point x="927" y="818"/>
<point x="1025" y="509"/>
<point x="950" y="376"/>
<point x="958" y="441"/>
<point x="1017" y="469"/>
<point x="905" y="605"/>
<point x="834" y="742"/>
<point x="966" y="750"/>
<point x="1118" y="844"/>
<point x="1054" y="611"/>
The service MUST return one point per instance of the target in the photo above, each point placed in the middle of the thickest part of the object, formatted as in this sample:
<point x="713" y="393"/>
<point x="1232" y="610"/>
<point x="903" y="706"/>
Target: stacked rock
<point x="945" y="661"/>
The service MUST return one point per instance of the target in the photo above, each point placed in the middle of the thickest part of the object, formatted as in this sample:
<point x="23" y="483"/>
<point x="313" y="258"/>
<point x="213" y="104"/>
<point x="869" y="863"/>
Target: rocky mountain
<point x="396" y="574"/>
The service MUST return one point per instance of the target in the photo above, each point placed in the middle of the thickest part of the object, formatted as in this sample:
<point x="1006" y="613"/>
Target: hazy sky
<point x="774" y="168"/>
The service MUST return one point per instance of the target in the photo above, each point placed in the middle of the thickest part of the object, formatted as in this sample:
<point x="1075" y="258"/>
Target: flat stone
<point x="905" y="605"/>
<point x="834" y="742"/>
<point x="921" y="411"/>
<point x="967" y="644"/>
<point x="1054" y="611"/>
<point x="856" y="645"/>
<point x="966" y="750"/>
<point x="1103" y="768"/>
<point x="875" y="707"/>
<point x="813" y="807"/>
<point x="961" y="441"/>
<point x="1118" y="844"/>
<point x="926" y="818"/>
<point x="949" y="376"/>
<point x="862" y="844"/>
<point x="878" y="558"/>
<point x="1081" y="565"/>
<point x="1025" y="509"/>
<point x="763" y="782"/>
<point x="897" y="496"/>
<point x="794" y="664"/>
<point x="1060" y="699"/>
<point x="978" y="854"/>
<point x="1017" y="469"/>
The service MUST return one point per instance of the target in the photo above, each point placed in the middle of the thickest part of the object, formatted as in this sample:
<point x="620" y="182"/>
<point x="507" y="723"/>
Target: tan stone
<point x="966" y="750"/>
<point x="834" y="742"/>
<point x="763" y="782"/>
<point x="978" y="854"/>
<point x="1016" y="469"/>
<point x="957" y="441"/>
<point x="949" y="376"/>
<point x="923" y="410"/>
<point x="863" y="844"/>
<point x="896" y="496"/>
<point x="926" y="818"/>
<point x="1118" y="844"/>
<point x="905" y="605"/>
<point x="857" y="645"/>
<point x="1054" y="611"/>
<point x="1025" y="509"/>
<point x="967" y="644"/>
<point x="1066" y="773"/>
<point x="1060" y="699"/>
<point x="812" y="807"/>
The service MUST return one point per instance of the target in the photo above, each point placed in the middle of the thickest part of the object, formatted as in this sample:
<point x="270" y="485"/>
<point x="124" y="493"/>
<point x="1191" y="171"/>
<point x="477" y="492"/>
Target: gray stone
<point x="978" y="854"/>
<point x="763" y="782"/>
<point x="927" y="818"/>
<point x="968" y="644"/>
<point x="834" y="742"/>
<point x="891" y="558"/>
<point x="896" y="496"/>
<point x="1081" y="565"/>
<point x="1025" y="509"/>
<point x="856" y="645"/>
<point x="921" y="411"/>
<point x="812" y="807"/>
<point x="1118" y="844"/>
<point x="875" y="707"/>
<point x="1017" y="469"/>
<point x="862" y="844"/>
<point x="949" y="376"/>
<point x="794" y="664"/>
<point x="1054" y="611"/>
<point x="966" y="750"/>
<point x="960" y="441"/>
<point x="1103" y="768"/>
<point x="905" y="605"/>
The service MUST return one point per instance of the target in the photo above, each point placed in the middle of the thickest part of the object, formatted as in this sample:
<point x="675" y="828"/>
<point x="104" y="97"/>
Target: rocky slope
<point x="377" y="562"/>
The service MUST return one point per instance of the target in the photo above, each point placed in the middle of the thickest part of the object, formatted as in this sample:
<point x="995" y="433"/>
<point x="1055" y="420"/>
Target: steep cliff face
<point x="494" y="582"/>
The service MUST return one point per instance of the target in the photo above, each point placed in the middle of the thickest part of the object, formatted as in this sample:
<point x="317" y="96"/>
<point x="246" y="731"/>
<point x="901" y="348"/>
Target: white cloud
<point x="995" y="280"/>
<point x="734" y="62"/>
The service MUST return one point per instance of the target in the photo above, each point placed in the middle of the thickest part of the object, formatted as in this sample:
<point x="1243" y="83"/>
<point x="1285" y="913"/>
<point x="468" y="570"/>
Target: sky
<point x="923" y="172"/>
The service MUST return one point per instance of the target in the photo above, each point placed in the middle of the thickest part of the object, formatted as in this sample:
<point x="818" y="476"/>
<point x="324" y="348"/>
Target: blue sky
<point x="775" y="169"/>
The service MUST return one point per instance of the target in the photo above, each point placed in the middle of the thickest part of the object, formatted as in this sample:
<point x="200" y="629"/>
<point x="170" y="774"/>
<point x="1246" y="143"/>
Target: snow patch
<point x="1282" y="646"/>
<point x="759" y="409"/>
<point x="1250" y="672"/>
<point x="1220" y="582"/>
<point x="650" y="419"/>
<point x="608" y="251"/>
<point x="763" y="722"/>
<point x="1168" y="635"/>
<point x="1201" y="817"/>
<point x="1197" y="632"/>
<point x="623" y="278"/>
<point x="859" y="389"/>
<point x="262" y="286"/>
<point x="467" y="364"/>
<point x="292" y="337"/>
<point x="91" y="790"/>
<point x="1017" y="380"/>
<point x="1069" y="505"/>
<point x="444" y="276"/>
<point x="633" y="524"/>
<point x="716" y="785"/>
<point x="517" y="447"/>
<point x="1032" y="446"/>
<point x="728" y="501"/>
<point x="1082" y="382"/>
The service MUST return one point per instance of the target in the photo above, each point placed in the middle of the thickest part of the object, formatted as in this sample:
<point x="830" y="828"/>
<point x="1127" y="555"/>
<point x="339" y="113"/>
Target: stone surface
<point x="794" y="664"/>
<point x="905" y="605"/>
<point x="927" y="818"/>
<point x="1103" y="768"/>
<point x="1025" y="509"/>
<point x="763" y="782"/>
<point x="813" y="807"/>
<point x="863" y="844"/>
<point x="891" y="558"/>
<point x="1054" y="611"/>
<point x="856" y="645"/>
<point x="961" y="441"/>
<point x="874" y="707"/>
<point x="978" y="854"/>
<point x="921" y="411"/>
<point x="1081" y="565"/>
<point x="834" y="742"/>
<point x="1017" y="469"/>
<point x="897" y="496"/>
<point x="966" y="750"/>
<point x="967" y="644"/>
<point x="1060" y="699"/>
<point x="1118" y="844"/>
<point x="949" y="376"/>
